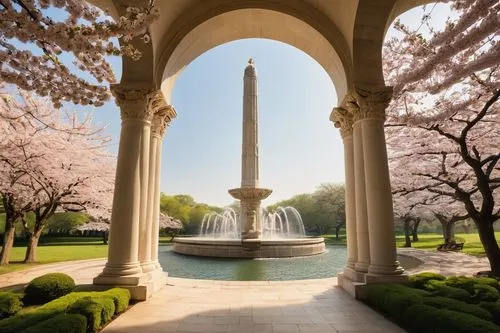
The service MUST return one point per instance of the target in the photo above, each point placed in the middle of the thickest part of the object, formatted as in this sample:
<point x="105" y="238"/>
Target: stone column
<point x="372" y="103"/>
<point x="163" y="116"/>
<point x="123" y="266"/>
<point x="362" y="233"/>
<point x="343" y="120"/>
<point x="148" y="178"/>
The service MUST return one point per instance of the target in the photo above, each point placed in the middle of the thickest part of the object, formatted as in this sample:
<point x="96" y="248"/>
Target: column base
<point x="354" y="275"/>
<point x="148" y="266"/>
<point x="362" y="267"/>
<point x="379" y="278"/>
<point x="141" y="286"/>
<point x="358" y="290"/>
<point x="394" y="269"/>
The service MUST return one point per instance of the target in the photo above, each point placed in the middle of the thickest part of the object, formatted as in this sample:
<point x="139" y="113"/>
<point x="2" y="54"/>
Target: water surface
<point x="323" y="265"/>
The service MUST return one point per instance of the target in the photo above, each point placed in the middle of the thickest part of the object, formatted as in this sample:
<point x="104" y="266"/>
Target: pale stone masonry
<point x="345" y="37"/>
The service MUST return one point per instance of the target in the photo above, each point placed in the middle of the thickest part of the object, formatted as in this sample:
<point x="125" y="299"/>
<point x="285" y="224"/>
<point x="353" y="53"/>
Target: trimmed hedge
<point x="424" y="318"/>
<point x="48" y="287"/>
<point x="22" y="321"/>
<point x="10" y="303"/>
<point x="97" y="310"/>
<point x="120" y="296"/>
<point x="488" y="281"/>
<point x="462" y="282"/>
<point x="451" y="304"/>
<point x="419" y="280"/>
<point x="421" y="311"/>
<point x="62" y="323"/>
<point x="494" y="309"/>
<point x="455" y="293"/>
<point x="486" y="293"/>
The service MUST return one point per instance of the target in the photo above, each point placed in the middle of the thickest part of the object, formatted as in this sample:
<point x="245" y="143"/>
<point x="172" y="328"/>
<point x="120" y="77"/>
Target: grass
<point x="431" y="241"/>
<point x="57" y="249"/>
<point x="472" y="244"/>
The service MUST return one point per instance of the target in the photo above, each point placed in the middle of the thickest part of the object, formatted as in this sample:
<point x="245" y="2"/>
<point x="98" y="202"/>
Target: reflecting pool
<point x="323" y="265"/>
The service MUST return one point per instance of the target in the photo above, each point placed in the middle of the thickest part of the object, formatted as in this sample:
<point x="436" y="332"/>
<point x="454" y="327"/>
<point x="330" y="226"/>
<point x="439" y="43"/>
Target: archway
<point x="345" y="38"/>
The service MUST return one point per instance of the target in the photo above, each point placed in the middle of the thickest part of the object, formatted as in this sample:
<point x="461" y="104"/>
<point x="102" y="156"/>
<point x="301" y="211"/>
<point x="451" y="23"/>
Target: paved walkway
<point x="187" y="305"/>
<point x="446" y="263"/>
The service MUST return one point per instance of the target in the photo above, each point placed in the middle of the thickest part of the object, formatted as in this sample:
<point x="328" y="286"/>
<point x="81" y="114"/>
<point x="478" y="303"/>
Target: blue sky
<point x="299" y="147"/>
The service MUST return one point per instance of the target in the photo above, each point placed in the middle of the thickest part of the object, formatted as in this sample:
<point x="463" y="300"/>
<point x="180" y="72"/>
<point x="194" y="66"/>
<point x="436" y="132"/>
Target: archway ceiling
<point x="253" y="23"/>
<point x="344" y="36"/>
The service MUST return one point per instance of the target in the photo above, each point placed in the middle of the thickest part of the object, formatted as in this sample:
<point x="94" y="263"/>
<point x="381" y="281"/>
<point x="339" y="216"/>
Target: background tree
<point x="55" y="167"/>
<point x="442" y="121"/>
<point x="32" y="44"/>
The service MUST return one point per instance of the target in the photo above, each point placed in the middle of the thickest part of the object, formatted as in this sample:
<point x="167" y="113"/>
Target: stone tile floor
<point x="186" y="305"/>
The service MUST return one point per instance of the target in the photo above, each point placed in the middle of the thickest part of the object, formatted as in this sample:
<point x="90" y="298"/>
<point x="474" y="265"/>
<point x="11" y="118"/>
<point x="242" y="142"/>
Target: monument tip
<point x="250" y="61"/>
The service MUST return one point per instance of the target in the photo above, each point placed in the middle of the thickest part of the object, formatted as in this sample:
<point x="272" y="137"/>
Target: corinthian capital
<point x="343" y="120"/>
<point x="133" y="102"/>
<point x="162" y="118"/>
<point x="372" y="101"/>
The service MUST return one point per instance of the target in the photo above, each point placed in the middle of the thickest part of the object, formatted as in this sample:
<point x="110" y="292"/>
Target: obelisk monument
<point x="249" y="194"/>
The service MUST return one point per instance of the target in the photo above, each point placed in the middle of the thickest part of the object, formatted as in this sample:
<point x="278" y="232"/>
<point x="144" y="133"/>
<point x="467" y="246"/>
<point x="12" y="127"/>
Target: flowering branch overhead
<point x="84" y="33"/>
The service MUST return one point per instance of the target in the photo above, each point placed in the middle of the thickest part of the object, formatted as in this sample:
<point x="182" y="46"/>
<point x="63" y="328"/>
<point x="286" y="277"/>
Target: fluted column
<point x="129" y="185"/>
<point x="148" y="180"/>
<point x="163" y="116"/>
<point x="372" y="102"/>
<point x="362" y="232"/>
<point x="343" y="120"/>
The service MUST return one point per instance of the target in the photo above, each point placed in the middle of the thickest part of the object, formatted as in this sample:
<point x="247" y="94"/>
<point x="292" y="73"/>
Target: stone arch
<point x="294" y="23"/>
<point x="371" y="23"/>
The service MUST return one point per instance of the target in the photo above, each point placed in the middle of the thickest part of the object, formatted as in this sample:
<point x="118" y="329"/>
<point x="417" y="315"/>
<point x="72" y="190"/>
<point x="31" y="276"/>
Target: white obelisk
<point x="249" y="193"/>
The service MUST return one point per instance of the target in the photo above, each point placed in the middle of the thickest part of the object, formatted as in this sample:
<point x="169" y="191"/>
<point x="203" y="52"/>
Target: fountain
<point x="255" y="233"/>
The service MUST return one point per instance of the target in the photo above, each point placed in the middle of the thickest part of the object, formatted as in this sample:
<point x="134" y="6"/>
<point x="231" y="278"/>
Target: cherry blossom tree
<point x="83" y="32"/>
<point x="56" y="164"/>
<point x="443" y="122"/>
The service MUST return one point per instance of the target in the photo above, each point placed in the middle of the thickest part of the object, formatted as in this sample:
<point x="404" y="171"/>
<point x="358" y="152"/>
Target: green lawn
<point x="472" y="244"/>
<point x="55" y="249"/>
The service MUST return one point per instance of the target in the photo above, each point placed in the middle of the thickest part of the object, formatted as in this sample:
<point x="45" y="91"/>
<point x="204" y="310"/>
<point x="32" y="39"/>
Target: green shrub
<point x="91" y="309"/>
<point x="10" y="303"/>
<point x="421" y="318"/>
<point x="419" y="280"/>
<point x="462" y="282"/>
<point x="108" y="308"/>
<point x="454" y="305"/>
<point x="97" y="310"/>
<point x="455" y="293"/>
<point x="22" y="321"/>
<point x="433" y="285"/>
<point x="486" y="293"/>
<point x="488" y="281"/>
<point x="62" y="323"/>
<point x="120" y="296"/>
<point x="494" y="309"/>
<point x="48" y="287"/>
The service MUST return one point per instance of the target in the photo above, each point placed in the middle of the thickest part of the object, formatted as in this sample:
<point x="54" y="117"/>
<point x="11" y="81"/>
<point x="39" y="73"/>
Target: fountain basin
<point x="249" y="248"/>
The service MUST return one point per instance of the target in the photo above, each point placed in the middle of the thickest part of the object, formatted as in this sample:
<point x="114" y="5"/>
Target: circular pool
<point x="324" y="265"/>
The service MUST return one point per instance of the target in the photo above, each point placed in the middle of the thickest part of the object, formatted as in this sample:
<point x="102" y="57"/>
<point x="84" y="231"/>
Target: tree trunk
<point x="337" y="230"/>
<point x="414" y="230"/>
<point x="448" y="232"/>
<point x="487" y="236"/>
<point x="105" y="235"/>
<point x="407" y="229"/>
<point x="32" y="247"/>
<point x="8" y="242"/>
